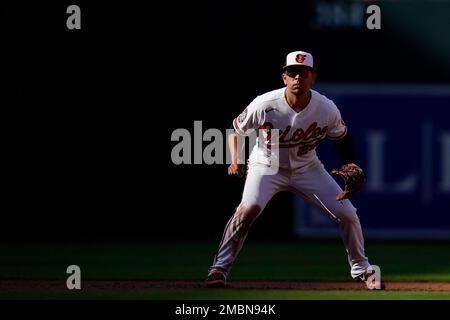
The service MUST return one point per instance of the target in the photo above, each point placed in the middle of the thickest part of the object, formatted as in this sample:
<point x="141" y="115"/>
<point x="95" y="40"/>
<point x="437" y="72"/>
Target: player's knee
<point x="349" y="215"/>
<point x="247" y="214"/>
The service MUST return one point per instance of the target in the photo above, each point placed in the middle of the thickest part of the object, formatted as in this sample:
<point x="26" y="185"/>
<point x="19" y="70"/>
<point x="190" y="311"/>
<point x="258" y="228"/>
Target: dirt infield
<point x="136" y="286"/>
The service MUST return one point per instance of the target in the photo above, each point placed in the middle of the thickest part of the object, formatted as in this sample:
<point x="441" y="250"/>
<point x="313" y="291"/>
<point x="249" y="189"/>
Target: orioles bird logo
<point x="300" y="57"/>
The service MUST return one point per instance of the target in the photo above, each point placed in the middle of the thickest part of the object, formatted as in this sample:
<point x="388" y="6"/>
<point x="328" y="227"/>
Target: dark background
<point x="88" y="114"/>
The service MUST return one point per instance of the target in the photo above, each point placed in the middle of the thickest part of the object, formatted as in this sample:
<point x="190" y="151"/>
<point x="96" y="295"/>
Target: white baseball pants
<point x="316" y="186"/>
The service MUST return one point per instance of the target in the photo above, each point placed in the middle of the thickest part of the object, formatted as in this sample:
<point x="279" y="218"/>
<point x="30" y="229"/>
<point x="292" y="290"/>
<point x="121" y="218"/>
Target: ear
<point x="283" y="76"/>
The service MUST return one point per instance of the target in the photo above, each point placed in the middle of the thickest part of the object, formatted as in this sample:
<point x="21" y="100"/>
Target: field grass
<point x="308" y="261"/>
<point x="299" y="261"/>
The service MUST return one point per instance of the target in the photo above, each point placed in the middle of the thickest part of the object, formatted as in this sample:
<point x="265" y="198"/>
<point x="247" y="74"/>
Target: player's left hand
<point x="354" y="179"/>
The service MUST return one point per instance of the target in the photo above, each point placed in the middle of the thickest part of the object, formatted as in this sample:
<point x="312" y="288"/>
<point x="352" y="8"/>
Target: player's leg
<point x="258" y="190"/>
<point x="319" y="188"/>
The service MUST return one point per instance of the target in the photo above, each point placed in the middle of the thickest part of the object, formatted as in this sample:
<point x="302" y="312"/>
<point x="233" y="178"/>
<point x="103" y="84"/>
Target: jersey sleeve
<point x="248" y="120"/>
<point x="336" y="126"/>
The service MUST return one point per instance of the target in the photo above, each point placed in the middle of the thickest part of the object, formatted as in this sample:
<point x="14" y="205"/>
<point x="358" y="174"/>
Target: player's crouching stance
<point x="303" y="117"/>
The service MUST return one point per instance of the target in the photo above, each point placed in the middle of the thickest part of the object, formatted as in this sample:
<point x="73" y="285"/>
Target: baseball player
<point x="303" y="117"/>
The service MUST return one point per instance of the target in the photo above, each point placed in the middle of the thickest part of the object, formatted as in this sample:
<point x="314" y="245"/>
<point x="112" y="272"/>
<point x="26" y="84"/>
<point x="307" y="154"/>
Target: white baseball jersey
<point x="299" y="133"/>
<point x="300" y="172"/>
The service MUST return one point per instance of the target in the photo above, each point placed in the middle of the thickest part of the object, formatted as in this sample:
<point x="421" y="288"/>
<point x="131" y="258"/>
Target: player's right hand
<point x="236" y="170"/>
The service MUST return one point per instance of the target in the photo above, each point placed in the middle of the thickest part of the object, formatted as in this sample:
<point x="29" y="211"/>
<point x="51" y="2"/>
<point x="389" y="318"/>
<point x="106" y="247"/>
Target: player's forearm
<point x="345" y="149"/>
<point x="235" y="144"/>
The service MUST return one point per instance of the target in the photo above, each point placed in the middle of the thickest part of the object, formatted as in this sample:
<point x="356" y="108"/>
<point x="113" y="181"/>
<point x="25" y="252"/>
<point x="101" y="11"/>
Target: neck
<point x="298" y="102"/>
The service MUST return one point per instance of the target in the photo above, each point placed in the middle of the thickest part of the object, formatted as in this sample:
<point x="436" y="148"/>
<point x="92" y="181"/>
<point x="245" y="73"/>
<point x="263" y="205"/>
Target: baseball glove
<point x="354" y="180"/>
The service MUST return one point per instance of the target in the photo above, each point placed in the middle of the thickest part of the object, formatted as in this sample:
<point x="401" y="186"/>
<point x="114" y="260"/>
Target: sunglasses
<point x="303" y="71"/>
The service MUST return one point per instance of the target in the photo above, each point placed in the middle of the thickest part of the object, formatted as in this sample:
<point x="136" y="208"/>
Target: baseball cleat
<point x="370" y="280"/>
<point x="215" y="280"/>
